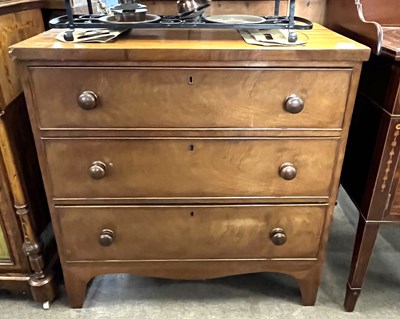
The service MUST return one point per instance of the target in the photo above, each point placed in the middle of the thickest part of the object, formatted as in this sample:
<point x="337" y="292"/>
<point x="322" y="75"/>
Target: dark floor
<point x="248" y="296"/>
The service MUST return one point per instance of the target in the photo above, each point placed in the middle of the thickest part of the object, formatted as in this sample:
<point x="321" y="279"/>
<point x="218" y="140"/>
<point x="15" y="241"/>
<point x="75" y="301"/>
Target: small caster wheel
<point x="292" y="37"/>
<point x="46" y="305"/>
<point x="68" y="35"/>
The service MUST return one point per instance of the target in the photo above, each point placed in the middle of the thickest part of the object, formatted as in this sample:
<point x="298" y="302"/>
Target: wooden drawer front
<point x="197" y="232"/>
<point x="176" y="98"/>
<point x="190" y="167"/>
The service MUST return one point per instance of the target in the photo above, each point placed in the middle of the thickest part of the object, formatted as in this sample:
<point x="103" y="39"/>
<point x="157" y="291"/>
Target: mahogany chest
<point x="191" y="154"/>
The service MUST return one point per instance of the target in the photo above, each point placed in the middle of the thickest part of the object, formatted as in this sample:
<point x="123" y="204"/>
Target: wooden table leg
<point x="364" y="243"/>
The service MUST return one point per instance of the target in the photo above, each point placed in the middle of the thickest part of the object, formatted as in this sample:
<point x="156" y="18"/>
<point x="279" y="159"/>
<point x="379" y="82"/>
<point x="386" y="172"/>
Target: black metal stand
<point x="289" y="22"/>
<point x="276" y="10"/>
<point x="292" y="35"/>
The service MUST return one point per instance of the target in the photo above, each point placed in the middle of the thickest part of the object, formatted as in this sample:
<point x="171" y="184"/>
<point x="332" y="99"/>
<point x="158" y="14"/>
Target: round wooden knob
<point x="87" y="100"/>
<point x="97" y="170"/>
<point x="278" y="236"/>
<point x="294" y="104"/>
<point x="106" y="237"/>
<point x="287" y="171"/>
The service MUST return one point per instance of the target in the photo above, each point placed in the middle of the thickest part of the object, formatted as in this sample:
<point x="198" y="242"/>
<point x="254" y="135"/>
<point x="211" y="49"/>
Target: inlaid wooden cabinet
<point x="27" y="245"/>
<point x="190" y="154"/>
<point x="27" y="248"/>
<point x="371" y="168"/>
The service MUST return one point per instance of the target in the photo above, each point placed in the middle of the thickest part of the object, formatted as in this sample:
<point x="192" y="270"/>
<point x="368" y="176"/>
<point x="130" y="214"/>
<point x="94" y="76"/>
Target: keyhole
<point x="192" y="214"/>
<point x="191" y="147"/>
<point x="190" y="80"/>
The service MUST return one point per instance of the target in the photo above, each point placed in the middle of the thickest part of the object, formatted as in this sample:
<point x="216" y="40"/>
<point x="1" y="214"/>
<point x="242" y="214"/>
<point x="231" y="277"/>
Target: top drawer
<point x="189" y="98"/>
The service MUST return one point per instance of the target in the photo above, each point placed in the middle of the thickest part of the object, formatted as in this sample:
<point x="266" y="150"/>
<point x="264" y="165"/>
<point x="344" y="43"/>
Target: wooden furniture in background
<point x="191" y="154"/>
<point x="371" y="167"/>
<point x="27" y="248"/>
<point x="369" y="21"/>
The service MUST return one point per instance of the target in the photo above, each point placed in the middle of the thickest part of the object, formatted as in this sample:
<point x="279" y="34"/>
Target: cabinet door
<point x="4" y="251"/>
<point x="4" y="254"/>
<point x="12" y="258"/>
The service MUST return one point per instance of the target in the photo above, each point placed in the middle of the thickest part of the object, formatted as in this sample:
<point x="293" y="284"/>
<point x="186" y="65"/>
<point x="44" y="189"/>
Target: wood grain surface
<point x="12" y="6"/>
<point x="191" y="46"/>
<point x="391" y="42"/>
<point x="14" y="27"/>
<point x="191" y="232"/>
<point x="372" y="22"/>
<point x="385" y="12"/>
<point x="190" y="97"/>
<point x="190" y="167"/>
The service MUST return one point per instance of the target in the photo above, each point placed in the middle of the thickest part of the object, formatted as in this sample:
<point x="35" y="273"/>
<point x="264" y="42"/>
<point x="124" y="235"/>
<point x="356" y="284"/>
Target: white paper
<point x="273" y="37"/>
<point x="91" y="35"/>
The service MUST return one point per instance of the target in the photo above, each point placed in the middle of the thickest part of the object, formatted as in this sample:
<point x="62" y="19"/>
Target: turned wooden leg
<point x="43" y="289"/>
<point x="75" y="286"/>
<point x="364" y="243"/>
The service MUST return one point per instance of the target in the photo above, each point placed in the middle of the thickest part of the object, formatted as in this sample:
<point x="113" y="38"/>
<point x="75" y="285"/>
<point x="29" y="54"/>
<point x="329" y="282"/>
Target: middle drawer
<point x="183" y="167"/>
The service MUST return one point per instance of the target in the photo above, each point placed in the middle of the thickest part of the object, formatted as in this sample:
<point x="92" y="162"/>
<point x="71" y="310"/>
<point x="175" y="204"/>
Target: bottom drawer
<point x="190" y="232"/>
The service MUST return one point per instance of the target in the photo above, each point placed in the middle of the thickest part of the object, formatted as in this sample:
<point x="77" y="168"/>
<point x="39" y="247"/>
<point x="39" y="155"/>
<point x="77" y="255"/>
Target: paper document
<point x="90" y="35"/>
<point x="273" y="37"/>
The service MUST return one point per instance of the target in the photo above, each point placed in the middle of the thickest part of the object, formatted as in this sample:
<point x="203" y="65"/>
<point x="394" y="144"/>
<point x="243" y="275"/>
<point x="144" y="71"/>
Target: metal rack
<point x="289" y="22"/>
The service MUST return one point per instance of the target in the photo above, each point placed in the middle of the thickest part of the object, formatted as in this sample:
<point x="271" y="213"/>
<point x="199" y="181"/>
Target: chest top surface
<point x="191" y="45"/>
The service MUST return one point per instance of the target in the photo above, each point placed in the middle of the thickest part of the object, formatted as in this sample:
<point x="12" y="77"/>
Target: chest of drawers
<point x="190" y="154"/>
